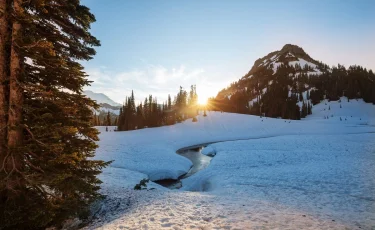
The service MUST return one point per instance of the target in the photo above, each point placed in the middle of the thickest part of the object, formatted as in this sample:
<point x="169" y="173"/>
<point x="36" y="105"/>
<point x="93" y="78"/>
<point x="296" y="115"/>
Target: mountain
<point x="101" y="98"/>
<point x="288" y="82"/>
<point x="106" y="103"/>
<point x="291" y="55"/>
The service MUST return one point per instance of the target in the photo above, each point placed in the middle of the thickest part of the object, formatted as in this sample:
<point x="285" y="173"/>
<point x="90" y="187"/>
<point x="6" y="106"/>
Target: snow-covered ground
<point x="313" y="173"/>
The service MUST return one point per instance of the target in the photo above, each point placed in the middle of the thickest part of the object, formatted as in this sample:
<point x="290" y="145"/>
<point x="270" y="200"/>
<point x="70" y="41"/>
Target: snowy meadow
<point x="266" y="173"/>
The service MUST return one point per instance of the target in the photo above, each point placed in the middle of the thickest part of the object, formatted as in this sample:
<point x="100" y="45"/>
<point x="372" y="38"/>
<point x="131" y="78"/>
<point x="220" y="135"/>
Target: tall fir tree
<point x="4" y="69"/>
<point x="46" y="174"/>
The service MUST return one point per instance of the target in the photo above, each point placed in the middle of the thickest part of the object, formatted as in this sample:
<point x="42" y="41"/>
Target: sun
<point x="202" y="100"/>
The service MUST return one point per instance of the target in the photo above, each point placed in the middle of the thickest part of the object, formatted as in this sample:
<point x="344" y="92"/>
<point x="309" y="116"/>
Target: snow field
<point x="313" y="174"/>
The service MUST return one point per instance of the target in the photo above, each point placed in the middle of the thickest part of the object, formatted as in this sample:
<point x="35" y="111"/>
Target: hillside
<point x="288" y="82"/>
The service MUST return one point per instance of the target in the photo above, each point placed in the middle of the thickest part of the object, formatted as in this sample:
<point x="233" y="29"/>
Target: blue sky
<point x="155" y="46"/>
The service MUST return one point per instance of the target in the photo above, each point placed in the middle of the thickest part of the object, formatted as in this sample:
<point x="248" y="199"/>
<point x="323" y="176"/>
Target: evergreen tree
<point x="46" y="174"/>
<point x="4" y="69"/>
<point x="169" y="102"/>
<point x="109" y="123"/>
<point x="304" y="111"/>
<point x="97" y="120"/>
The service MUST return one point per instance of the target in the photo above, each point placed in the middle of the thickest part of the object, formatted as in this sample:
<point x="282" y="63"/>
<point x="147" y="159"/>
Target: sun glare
<point x="202" y="100"/>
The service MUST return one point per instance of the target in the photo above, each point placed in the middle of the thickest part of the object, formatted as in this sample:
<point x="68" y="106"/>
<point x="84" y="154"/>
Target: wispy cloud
<point x="152" y="79"/>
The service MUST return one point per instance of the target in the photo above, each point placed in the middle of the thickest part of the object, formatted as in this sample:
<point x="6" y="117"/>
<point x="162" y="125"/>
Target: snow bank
<point x="209" y="151"/>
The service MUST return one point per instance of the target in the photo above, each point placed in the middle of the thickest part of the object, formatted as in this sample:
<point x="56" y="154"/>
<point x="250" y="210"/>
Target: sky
<point x="154" y="47"/>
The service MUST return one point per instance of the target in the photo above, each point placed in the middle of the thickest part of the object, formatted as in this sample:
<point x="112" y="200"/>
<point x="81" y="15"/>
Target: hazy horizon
<point x="155" y="47"/>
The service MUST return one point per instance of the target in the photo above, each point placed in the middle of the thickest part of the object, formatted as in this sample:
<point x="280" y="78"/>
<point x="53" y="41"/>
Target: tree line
<point x="150" y="113"/>
<point x="104" y="119"/>
<point x="291" y="91"/>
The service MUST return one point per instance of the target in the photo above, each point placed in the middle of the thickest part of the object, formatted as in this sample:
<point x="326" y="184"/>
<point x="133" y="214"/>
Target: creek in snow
<point x="199" y="160"/>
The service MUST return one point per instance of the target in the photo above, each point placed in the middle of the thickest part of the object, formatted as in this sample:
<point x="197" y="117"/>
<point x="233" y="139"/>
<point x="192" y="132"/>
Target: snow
<point x="355" y="110"/>
<point x="209" y="151"/>
<point x="274" y="57"/>
<point x="314" y="173"/>
<point x="275" y="66"/>
<point x="312" y="73"/>
<point x="308" y="172"/>
<point x="251" y="102"/>
<point x="289" y="55"/>
<point x="302" y="62"/>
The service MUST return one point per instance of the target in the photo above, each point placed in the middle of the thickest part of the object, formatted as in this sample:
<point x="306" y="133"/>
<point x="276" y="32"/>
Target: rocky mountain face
<point x="288" y="82"/>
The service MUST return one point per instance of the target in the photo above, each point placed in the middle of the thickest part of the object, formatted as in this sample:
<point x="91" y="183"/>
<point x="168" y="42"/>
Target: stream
<point x="199" y="160"/>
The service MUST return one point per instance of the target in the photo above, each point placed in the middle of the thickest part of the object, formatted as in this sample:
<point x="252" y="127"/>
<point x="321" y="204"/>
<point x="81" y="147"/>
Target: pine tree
<point x="47" y="175"/>
<point x="304" y="111"/>
<point x="169" y="102"/>
<point x="109" y="123"/>
<point x="4" y="53"/>
<point x="146" y="111"/>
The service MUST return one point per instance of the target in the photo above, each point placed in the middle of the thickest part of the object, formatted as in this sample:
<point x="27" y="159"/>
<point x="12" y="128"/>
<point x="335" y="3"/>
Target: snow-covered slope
<point x="348" y="110"/>
<point x="314" y="173"/>
<point x="100" y="98"/>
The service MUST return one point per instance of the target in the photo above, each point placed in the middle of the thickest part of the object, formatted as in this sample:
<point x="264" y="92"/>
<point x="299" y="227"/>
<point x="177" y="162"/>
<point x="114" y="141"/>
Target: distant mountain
<point x="286" y="83"/>
<point x="101" y="98"/>
<point x="106" y="104"/>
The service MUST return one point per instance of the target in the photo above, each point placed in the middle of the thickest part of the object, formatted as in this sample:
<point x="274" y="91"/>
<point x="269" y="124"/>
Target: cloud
<point x="153" y="79"/>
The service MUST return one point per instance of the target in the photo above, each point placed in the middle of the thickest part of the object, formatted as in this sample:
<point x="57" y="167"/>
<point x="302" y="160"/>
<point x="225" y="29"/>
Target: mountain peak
<point x="297" y="51"/>
<point x="292" y="48"/>
<point x="290" y="54"/>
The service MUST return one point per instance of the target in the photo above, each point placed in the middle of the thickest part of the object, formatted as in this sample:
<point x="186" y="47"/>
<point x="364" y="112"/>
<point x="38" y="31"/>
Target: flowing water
<point x="199" y="160"/>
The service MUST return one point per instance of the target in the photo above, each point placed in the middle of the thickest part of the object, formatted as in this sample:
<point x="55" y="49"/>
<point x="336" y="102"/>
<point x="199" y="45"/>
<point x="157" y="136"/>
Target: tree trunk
<point x="15" y="101"/>
<point x="4" y="34"/>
